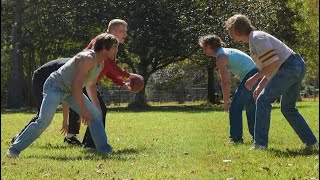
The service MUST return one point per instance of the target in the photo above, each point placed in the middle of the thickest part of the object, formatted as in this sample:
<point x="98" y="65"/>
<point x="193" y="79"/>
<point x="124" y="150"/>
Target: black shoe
<point x="72" y="141"/>
<point x="87" y="145"/>
<point x="235" y="141"/>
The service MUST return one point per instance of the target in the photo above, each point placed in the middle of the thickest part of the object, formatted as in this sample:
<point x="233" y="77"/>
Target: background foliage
<point x="162" y="35"/>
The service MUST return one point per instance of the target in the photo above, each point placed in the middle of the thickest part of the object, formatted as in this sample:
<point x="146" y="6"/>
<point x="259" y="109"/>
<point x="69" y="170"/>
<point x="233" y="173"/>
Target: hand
<point x="256" y="92"/>
<point x="251" y="82"/>
<point x="64" y="129"/>
<point x="86" y="117"/>
<point x="226" y="105"/>
<point x="127" y="86"/>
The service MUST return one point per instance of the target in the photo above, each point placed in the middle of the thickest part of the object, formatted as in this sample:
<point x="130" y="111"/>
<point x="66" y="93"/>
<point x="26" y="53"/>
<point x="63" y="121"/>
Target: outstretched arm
<point x="82" y="68"/>
<point x="92" y="93"/>
<point x="264" y="73"/>
<point x="222" y="61"/>
<point x="65" y="113"/>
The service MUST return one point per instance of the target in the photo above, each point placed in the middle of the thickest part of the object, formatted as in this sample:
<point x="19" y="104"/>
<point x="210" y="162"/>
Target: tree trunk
<point x="140" y="98"/>
<point x="29" y="71"/>
<point x="15" y="90"/>
<point x="211" y="90"/>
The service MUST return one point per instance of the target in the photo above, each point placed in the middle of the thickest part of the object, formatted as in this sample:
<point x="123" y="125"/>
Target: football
<point x="137" y="84"/>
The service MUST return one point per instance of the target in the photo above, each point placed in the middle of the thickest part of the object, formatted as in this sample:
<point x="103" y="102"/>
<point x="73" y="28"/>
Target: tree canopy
<point x="161" y="33"/>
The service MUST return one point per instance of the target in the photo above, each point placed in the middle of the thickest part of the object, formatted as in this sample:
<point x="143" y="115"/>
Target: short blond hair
<point x="116" y="23"/>
<point x="240" y="24"/>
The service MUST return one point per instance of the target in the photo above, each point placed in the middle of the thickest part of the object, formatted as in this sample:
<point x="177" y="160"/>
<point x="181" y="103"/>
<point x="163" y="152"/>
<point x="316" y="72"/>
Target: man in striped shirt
<point x="281" y="71"/>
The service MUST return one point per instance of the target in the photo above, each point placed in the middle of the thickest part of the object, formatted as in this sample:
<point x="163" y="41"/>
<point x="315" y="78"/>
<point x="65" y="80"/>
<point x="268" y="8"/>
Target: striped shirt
<point x="266" y="49"/>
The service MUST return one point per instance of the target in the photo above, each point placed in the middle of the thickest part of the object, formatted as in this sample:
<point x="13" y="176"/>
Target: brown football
<point x="136" y="84"/>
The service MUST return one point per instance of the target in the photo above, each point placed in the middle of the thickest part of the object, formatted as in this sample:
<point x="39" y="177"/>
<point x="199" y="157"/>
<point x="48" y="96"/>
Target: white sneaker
<point x="313" y="146"/>
<point x="258" y="147"/>
<point x="10" y="154"/>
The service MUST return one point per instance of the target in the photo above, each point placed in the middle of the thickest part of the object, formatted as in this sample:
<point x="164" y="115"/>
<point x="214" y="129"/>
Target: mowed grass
<point x="164" y="143"/>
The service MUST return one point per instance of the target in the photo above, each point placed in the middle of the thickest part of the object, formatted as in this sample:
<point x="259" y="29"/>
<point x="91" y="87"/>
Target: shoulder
<point x="90" y="45"/>
<point x="86" y="55"/>
<point x="261" y="41"/>
<point x="238" y="52"/>
<point x="222" y="60"/>
<point x="259" y="35"/>
<point x="85" y="59"/>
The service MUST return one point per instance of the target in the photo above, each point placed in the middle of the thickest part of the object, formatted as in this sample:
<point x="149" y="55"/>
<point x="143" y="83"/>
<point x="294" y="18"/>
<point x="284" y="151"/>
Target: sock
<point x="70" y="135"/>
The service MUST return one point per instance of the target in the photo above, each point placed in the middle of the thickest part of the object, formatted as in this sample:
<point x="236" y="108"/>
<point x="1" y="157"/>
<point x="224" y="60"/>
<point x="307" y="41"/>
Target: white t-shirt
<point x="266" y="49"/>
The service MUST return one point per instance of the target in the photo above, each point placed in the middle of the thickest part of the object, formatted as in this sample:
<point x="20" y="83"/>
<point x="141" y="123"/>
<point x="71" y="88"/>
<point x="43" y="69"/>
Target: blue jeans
<point x="242" y="98"/>
<point x="286" y="82"/>
<point x="52" y="97"/>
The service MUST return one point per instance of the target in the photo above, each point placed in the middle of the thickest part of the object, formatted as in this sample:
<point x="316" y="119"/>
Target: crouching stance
<point x="65" y="85"/>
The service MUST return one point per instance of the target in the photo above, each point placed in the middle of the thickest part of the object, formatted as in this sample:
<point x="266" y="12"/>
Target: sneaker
<point x="10" y="154"/>
<point x="313" y="146"/>
<point x="235" y="141"/>
<point x="258" y="147"/>
<point x="14" y="138"/>
<point x="72" y="140"/>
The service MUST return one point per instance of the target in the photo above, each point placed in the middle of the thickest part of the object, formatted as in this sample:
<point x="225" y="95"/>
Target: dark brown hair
<point x="104" y="41"/>
<point x="212" y="40"/>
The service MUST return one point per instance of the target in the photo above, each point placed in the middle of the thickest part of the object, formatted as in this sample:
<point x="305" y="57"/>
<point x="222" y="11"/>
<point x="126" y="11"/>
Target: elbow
<point x="276" y="64"/>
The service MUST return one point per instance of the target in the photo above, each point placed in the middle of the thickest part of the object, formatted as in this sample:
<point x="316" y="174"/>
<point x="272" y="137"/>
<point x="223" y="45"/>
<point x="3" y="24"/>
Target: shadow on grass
<point x="205" y="107"/>
<point x="171" y="108"/>
<point x="91" y="154"/>
<point x="14" y="111"/>
<point x="89" y="150"/>
<point x="299" y="106"/>
<point x="293" y="153"/>
<point x="178" y="108"/>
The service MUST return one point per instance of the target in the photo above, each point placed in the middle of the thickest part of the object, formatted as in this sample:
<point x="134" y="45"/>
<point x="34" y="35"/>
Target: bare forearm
<point x="225" y="84"/>
<point x="92" y="93"/>
<point x="263" y="82"/>
<point x="65" y="112"/>
<point x="267" y="71"/>
<point x="77" y="93"/>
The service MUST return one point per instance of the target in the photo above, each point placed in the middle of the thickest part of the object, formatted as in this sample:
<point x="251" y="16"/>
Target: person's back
<point x="239" y="63"/>
<point x="266" y="48"/>
<point x="63" y="76"/>
<point x="44" y="71"/>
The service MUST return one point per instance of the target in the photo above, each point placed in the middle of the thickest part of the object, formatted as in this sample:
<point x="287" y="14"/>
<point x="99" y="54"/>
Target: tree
<point x="161" y="32"/>
<point x="15" y="97"/>
<point x="308" y="35"/>
<point x="166" y="32"/>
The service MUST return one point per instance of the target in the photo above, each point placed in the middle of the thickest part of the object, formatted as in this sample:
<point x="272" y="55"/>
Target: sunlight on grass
<point x="164" y="143"/>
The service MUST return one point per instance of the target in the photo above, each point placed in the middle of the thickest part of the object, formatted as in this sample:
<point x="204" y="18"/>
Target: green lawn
<point x="167" y="142"/>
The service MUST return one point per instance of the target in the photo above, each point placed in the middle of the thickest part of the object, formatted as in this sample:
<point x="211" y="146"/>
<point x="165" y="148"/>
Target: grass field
<point x="167" y="142"/>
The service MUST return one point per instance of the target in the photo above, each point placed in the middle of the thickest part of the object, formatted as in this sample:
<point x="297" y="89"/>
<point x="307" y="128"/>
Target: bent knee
<point x="288" y="110"/>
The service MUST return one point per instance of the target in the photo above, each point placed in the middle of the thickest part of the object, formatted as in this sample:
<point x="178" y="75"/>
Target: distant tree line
<point x="162" y="34"/>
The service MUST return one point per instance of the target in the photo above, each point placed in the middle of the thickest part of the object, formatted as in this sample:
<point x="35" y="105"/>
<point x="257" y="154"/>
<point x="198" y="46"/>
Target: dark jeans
<point x="242" y="98"/>
<point x="286" y="82"/>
